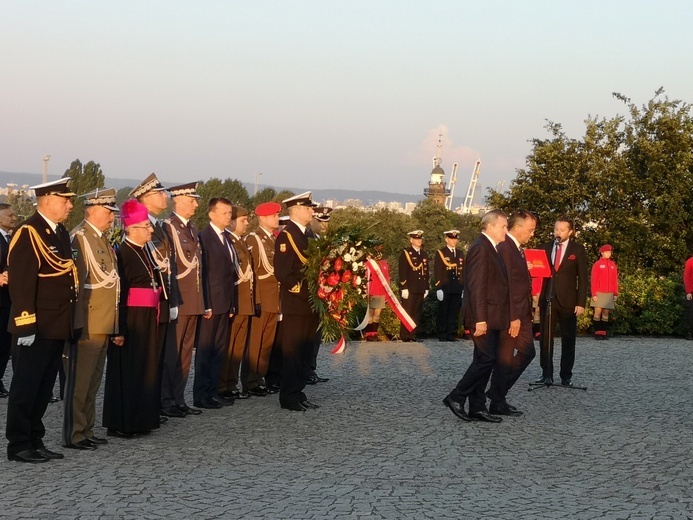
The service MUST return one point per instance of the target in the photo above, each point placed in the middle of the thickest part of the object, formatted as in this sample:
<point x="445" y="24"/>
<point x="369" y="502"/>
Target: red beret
<point x="268" y="208"/>
<point x="605" y="248"/>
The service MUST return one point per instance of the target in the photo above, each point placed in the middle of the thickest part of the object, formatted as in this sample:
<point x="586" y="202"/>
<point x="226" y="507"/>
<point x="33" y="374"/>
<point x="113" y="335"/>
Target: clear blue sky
<point x="317" y="94"/>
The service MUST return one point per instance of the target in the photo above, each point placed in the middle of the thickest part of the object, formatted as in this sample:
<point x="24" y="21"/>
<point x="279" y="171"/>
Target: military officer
<point x="413" y="281"/>
<point x="152" y="194"/>
<point x="97" y="315"/>
<point x="43" y="288"/>
<point x="188" y="257"/>
<point x="8" y="221"/>
<point x="448" y="273"/>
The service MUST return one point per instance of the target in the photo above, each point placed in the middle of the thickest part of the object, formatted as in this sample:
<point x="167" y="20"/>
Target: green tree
<point x="85" y="178"/>
<point x="22" y="203"/>
<point x="433" y="219"/>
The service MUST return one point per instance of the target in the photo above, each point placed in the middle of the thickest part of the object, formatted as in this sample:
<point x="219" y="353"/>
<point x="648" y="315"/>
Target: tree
<point x="22" y="203"/>
<point x="85" y="178"/>
<point x="433" y="219"/>
<point x="628" y="181"/>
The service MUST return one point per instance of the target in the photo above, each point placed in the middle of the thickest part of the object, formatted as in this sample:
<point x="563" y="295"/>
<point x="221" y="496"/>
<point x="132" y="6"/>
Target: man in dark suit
<point x="566" y="290"/>
<point x="414" y="281"/>
<point x="188" y="257"/>
<point x="486" y="314"/>
<point x="43" y="287"/>
<point x="300" y="322"/>
<point x="448" y="273"/>
<point x="8" y="221"/>
<point x="516" y="345"/>
<point x="218" y="285"/>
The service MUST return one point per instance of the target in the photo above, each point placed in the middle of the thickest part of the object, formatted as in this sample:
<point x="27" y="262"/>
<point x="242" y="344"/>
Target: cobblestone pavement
<point x="382" y="446"/>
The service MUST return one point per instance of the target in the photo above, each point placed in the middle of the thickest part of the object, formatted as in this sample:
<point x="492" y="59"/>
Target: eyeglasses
<point x="146" y="226"/>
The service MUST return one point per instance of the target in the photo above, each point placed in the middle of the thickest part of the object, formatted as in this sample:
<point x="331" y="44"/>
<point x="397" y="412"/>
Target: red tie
<point x="557" y="258"/>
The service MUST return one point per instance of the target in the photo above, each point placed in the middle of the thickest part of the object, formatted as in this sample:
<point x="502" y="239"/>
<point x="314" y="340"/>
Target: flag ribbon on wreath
<point x="391" y="299"/>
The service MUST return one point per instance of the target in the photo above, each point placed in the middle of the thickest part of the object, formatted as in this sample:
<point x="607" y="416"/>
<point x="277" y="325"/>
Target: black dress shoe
<point x="223" y="400"/>
<point x="456" y="408"/>
<point x="163" y="419"/>
<point x="484" y="416"/>
<point x="258" y="391"/>
<point x="504" y="409"/>
<point x="307" y="404"/>
<point x="30" y="456"/>
<point x="312" y="380"/>
<point x="273" y="389"/>
<point x="240" y="395"/>
<point x="97" y="440"/>
<point x="122" y="435"/>
<point x="208" y="404"/>
<point x="84" y="444"/>
<point x="566" y="382"/>
<point x="172" y="411"/>
<point x="544" y="380"/>
<point x="321" y="379"/>
<point x="53" y="399"/>
<point x="3" y="391"/>
<point x="54" y="455"/>
<point x="294" y="407"/>
<point x="188" y="410"/>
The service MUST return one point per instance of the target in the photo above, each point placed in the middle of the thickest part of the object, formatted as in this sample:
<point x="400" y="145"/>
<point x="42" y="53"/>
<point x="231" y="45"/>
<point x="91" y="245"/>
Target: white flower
<point x="346" y="257"/>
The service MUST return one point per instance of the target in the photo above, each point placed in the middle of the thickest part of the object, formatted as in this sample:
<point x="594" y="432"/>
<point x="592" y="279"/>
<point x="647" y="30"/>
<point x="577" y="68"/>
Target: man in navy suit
<point x="516" y="344"/>
<point x="8" y="221"/>
<point x="218" y="286"/>
<point x="566" y="290"/>
<point x="485" y="310"/>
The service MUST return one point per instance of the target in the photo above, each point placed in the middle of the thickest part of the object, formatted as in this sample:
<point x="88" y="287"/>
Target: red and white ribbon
<point x="340" y="346"/>
<point x="391" y="299"/>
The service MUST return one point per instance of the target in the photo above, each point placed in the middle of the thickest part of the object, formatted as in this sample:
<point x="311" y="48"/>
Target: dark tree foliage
<point x="85" y="178"/>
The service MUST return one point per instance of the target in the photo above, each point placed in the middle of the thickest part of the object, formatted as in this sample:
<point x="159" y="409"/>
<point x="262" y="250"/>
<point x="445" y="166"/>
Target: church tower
<point x="436" y="191"/>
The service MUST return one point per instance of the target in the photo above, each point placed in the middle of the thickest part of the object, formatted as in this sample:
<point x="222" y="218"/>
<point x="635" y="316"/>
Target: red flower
<point x="338" y="264"/>
<point x="322" y="294"/>
<point x="333" y="279"/>
<point x="346" y="276"/>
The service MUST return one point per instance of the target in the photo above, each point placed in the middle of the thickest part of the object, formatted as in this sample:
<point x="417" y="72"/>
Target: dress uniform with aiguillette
<point x="413" y="281"/>
<point x="448" y="273"/>
<point x="43" y="287"/>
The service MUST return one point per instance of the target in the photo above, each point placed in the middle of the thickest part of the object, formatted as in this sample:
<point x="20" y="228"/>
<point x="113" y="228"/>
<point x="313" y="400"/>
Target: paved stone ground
<point x="382" y="446"/>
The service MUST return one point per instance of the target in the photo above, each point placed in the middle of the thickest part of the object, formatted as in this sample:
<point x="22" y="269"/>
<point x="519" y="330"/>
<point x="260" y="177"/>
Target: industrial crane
<point x="467" y="206"/>
<point x="451" y="187"/>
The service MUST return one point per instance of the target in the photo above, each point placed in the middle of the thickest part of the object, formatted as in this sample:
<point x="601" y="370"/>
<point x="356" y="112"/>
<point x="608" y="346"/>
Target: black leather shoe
<point x="566" y="382"/>
<point x="321" y="379"/>
<point x="273" y="389"/>
<point x="312" y="380"/>
<point x="97" y="440"/>
<point x="30" y="456"/>
<point x="308" y="404"/>
<point x="544" y="380"/>
<point x="188" y="410"/>
<point x="240" y="395"/>
<point x="54" y="455"/>
<point x="3" y="391"/>
<point x="504" y="409"/>
<point x="484" y="416"/>
<point x="223" y="400"/>
<point x="53" y="399"/>
<point x="294" y="407"/>
<point x="456" y="408"/>
<point x="209" y="404"/>
<point x="258" y="391"/>
<point x="172" y="411"/>
<point x="122" y="435"/>
<point x="163" y="419"/>
<point x="84" y="444"/>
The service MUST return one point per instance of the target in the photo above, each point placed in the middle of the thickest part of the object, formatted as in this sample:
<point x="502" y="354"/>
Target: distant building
<point x="436" y="191"/>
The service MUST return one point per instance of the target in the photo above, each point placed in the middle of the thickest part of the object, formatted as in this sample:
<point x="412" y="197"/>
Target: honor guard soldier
<point x="245" y="309"/>
<point x="300" y="322"/>
<point x="97" y="315"/>
<point x="263" y="327"/>
<point x="448" y="273"/>
<point x="188" y="256"/>
<point x="319" y="225"/>
<point x="152" y="194"/>
<point x="413" y="281"/>
<point x="43" y="288"/>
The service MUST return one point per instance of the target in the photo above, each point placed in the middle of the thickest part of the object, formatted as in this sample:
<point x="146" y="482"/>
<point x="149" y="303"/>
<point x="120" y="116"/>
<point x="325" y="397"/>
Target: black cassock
<point x="131" y="393"/>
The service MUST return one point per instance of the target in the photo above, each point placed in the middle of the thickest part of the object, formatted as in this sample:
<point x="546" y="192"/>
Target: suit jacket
<point x="414" y="270"/>
<point x="188" y="258"/>
<point x="570" y="281"/>
<point x="245" y="282"/>
<point x="99" y="284"/>
<point x="42" y="278"/>
<point x="519" y="281"/>
<point x="261" y="246"/>
<point x="218" y="273"/>
<point x="448" y="270"/>
<point x="290" y="252"/>
<point x="486" y="297"/>
<point x="170" y="296"/>
<point x="5" y="301"/>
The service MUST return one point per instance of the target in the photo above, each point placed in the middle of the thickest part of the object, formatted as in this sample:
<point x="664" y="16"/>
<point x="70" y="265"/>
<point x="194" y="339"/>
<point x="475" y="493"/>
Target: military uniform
<point x="97" y="313"/>
<point x="414" y="279"/>
<point x="448" y="273"/>
<point x="43" y="288"/>
<point x="263" y="328"/>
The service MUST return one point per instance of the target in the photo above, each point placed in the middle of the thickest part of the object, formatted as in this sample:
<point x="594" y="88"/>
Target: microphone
<point x="557" y="241"/>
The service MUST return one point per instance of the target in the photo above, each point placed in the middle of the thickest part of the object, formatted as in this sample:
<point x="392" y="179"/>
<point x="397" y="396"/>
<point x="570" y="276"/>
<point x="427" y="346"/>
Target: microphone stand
<point x="547" y="336"/>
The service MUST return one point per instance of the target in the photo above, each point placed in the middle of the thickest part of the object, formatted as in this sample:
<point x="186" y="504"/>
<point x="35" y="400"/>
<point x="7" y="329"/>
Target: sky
<point x="322" y="94"/>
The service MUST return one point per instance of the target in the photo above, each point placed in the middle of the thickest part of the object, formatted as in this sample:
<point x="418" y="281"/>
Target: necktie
<point x="522" y="252"/>
<point x="557" y="257"/>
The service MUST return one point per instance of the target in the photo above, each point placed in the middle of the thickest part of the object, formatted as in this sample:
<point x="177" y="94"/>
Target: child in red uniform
<point x="604" y="291"/>
<point x="376" y="296"/>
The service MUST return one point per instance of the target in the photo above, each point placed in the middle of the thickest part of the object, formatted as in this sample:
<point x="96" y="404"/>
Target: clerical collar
<point x="52" y="224"/>
<point x="134" y="243"/>
<point x="182" y="219"/>
<point x="98" y="232"/>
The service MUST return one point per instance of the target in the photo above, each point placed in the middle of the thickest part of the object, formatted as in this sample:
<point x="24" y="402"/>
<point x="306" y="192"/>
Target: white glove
<point x="462" y="295"/>
<point x="405" y="294"/>
<point x="26" y="341"/>
<point x="439" y="295"/>
<point x="425" y="294"/>
<point x="280" y="316"/>
<point x="173" y="313"/>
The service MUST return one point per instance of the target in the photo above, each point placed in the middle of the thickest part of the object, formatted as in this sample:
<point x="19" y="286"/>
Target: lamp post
<point x="257" y="174"/>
